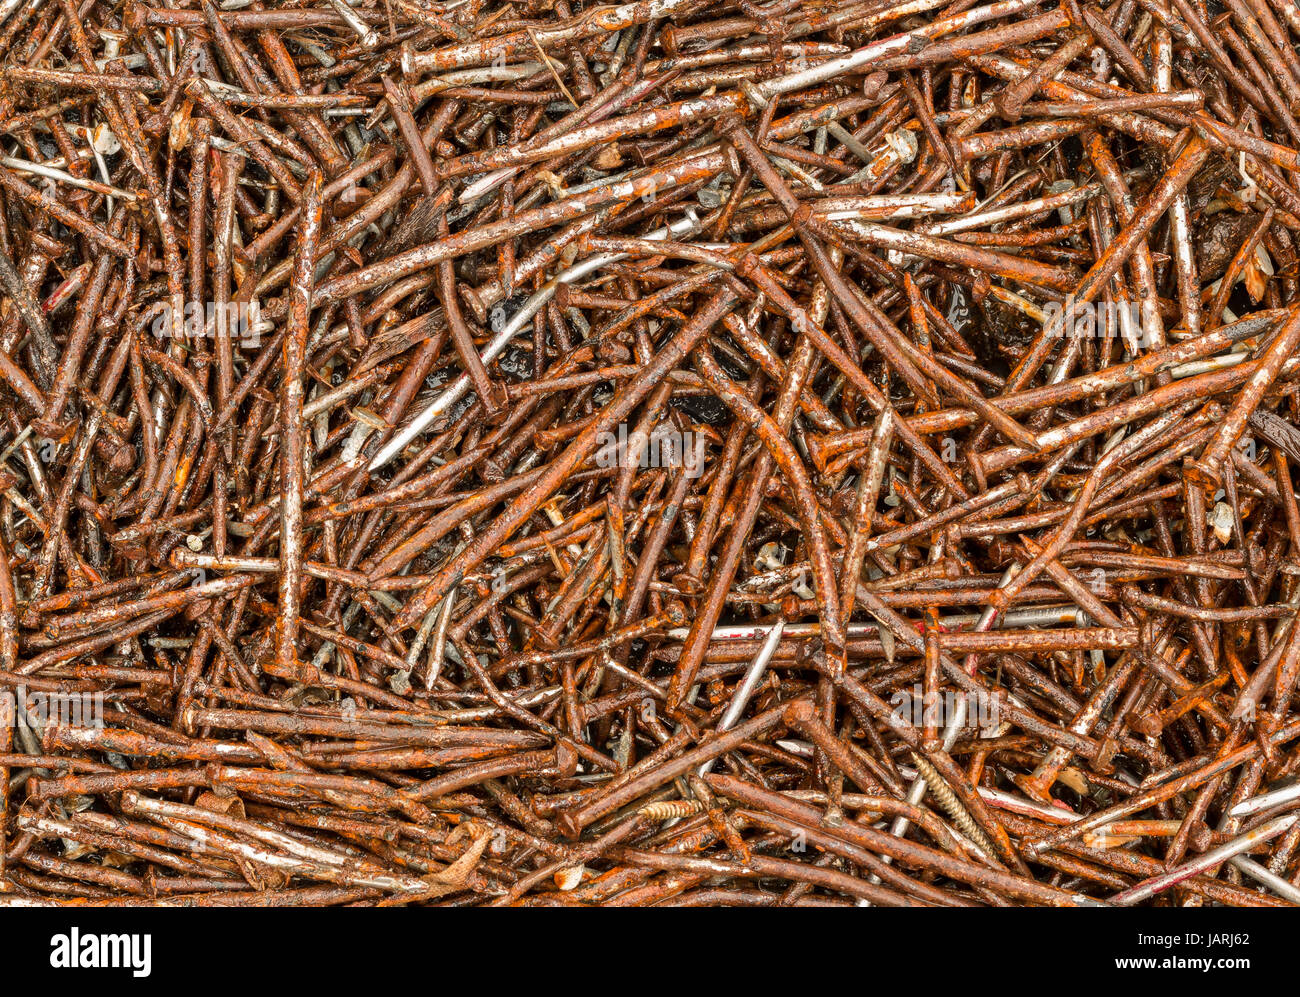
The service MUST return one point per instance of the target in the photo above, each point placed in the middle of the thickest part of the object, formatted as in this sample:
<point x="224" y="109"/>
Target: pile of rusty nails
<point x="688" y="452"/>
